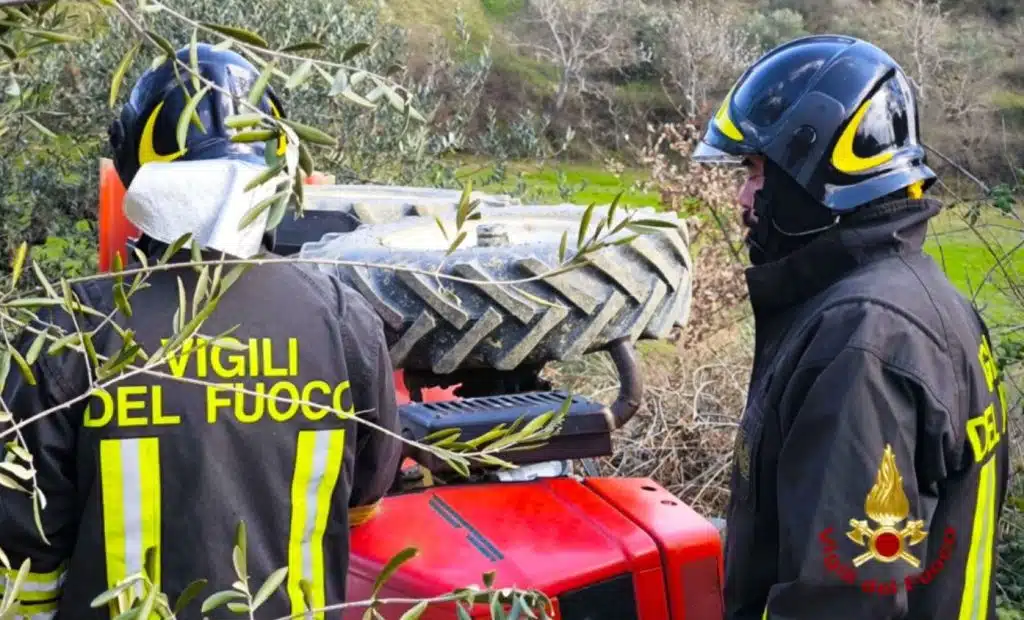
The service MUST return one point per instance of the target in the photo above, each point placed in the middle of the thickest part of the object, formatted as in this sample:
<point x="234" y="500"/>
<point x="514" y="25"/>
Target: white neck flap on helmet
<point x="205" y="197"/>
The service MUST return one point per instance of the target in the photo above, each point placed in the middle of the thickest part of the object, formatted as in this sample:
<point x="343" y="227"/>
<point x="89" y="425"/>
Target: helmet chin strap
<point x="802" y="218"/>
<point x="804" y="233"/>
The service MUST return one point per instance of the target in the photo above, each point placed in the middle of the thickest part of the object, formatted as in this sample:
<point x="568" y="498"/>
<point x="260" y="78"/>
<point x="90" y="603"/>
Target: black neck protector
<point x="788" y="218"/>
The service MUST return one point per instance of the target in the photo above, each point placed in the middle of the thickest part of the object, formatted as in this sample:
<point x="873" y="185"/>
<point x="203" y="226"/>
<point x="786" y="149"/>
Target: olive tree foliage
<point x="48" y="185"/>
<point x="320" y="78"/>
<point x="30" y="37"/>
<point x="371" y="142"/>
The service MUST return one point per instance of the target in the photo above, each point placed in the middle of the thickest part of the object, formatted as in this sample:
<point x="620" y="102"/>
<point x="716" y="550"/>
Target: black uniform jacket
<point x="174" y="461"/>
<point x="870" y="465"/>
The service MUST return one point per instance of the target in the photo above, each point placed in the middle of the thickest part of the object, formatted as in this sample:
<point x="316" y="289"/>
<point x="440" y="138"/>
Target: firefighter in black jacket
<point x="870" y="464"/>
<point x="173" y="461"/>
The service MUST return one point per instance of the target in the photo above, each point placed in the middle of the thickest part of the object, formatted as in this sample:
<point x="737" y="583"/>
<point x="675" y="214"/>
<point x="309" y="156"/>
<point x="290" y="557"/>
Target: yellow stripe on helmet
<point x="147" y="150"/>
<point x="282" y="141"/>
<point x="724" y="122"/>
<point x="843" y="157"/>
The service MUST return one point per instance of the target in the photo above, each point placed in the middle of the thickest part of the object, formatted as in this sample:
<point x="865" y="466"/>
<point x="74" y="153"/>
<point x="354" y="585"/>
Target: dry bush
<point x="577" y="37"/>
<point x="706" y="194"/>
<point x="700" y="47"/>
<point x="682" y="436"/>
<point x="956" y="63"/>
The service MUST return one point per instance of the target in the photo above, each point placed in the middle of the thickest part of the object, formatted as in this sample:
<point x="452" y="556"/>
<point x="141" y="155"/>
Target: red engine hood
<point x="555" y="535"/>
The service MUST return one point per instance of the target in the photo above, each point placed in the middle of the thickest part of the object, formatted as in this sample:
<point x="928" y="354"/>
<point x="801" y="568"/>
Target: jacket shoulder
<point x="330" y="289"/>
<point x="357" y="320"/>
<point x="905" y="312"/>
<point x="895" y="299"/>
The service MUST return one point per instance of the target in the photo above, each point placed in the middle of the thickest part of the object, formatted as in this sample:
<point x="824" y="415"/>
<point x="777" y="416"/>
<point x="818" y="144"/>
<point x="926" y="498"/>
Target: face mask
<point x="787" y="218"/>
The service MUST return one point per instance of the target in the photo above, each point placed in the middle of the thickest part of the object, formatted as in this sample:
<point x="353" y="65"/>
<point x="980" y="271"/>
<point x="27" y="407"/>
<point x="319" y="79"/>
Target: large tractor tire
<point x="638" y="290"/>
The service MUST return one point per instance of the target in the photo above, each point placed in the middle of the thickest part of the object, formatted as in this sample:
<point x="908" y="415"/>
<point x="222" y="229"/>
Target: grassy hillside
<point x="971" y="78"/>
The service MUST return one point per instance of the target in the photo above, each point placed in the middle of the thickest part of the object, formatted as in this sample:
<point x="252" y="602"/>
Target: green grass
<point x="439" y="13"/>
<point x="583" y="183"/>
<point x="501" y="9"/>
<point x="541" y="76"/>
<point x="966" y="260"/>
<point x="643" y="93"/>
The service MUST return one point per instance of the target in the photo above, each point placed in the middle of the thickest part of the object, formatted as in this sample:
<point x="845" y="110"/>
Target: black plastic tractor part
<point x="585" y="433"/>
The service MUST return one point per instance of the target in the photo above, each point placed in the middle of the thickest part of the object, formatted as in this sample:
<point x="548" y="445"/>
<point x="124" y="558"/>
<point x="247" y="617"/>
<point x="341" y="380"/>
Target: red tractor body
<point x="601" y="548"/>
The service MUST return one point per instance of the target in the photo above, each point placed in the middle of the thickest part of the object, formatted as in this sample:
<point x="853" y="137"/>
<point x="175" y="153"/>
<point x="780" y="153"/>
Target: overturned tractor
<point x="468" y="355"/>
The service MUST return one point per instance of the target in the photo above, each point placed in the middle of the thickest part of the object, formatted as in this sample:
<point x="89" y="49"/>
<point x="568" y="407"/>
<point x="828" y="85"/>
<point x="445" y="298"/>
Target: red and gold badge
<point x="887" y="505"/>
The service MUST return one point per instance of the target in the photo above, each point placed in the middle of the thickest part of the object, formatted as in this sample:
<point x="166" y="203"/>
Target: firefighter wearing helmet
<point x="870" y="464"/>
<point x="157" y="469"/>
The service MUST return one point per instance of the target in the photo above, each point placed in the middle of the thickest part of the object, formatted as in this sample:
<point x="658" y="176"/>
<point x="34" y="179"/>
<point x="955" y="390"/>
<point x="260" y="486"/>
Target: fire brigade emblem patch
<point x="888" y="506"/>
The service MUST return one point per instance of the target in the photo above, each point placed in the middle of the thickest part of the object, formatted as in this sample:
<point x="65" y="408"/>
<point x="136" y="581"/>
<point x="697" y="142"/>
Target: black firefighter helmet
<point x="834" y="112"/>
<point x="146" y="130"/>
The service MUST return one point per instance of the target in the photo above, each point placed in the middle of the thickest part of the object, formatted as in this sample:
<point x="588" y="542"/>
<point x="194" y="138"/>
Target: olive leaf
<point x="193" y="59"/>
<point x="188" y="116"/>
<point x="354" y="50"/>
<point x="240" y="34"/>
<point x="190" y="592"/>
<point x="260" y="86"/>
<point x="19" y="263"/>
<point x="299" y="77"/>
<point x="339" y="83"/>
<point x="415" y="612"/>
<point x="304" y="46"/>
<point x="162" y="43"/>
<point x="393" y="565"/>
<point x="219" y="598"/>
<point x="272" y="583"/>
<point x="306" y="132"/>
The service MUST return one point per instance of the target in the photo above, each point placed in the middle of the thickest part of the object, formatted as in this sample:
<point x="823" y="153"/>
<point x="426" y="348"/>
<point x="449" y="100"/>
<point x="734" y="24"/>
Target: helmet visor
<point x="707" y="154"/>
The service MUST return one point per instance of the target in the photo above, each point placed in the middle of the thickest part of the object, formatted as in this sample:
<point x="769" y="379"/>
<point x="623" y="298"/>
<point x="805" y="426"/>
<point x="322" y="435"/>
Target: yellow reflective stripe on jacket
<point x="318" y="459"/>
<point x="46" y="611"/>
<point x="35" y="587"/>
<point x="130" y="480"/>
<point x="978" y="571"/>
<point x="39" y="593"/>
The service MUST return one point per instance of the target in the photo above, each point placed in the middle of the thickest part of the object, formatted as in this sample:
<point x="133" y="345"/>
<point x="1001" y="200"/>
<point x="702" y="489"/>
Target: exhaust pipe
<point x="630" y="385"/>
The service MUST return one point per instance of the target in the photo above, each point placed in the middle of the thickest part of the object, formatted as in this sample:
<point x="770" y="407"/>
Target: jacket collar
<point x="892" y="228"/>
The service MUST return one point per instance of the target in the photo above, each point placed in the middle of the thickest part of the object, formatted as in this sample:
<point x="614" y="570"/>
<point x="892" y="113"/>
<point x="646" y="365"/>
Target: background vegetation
<point x="575" y="101"/>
